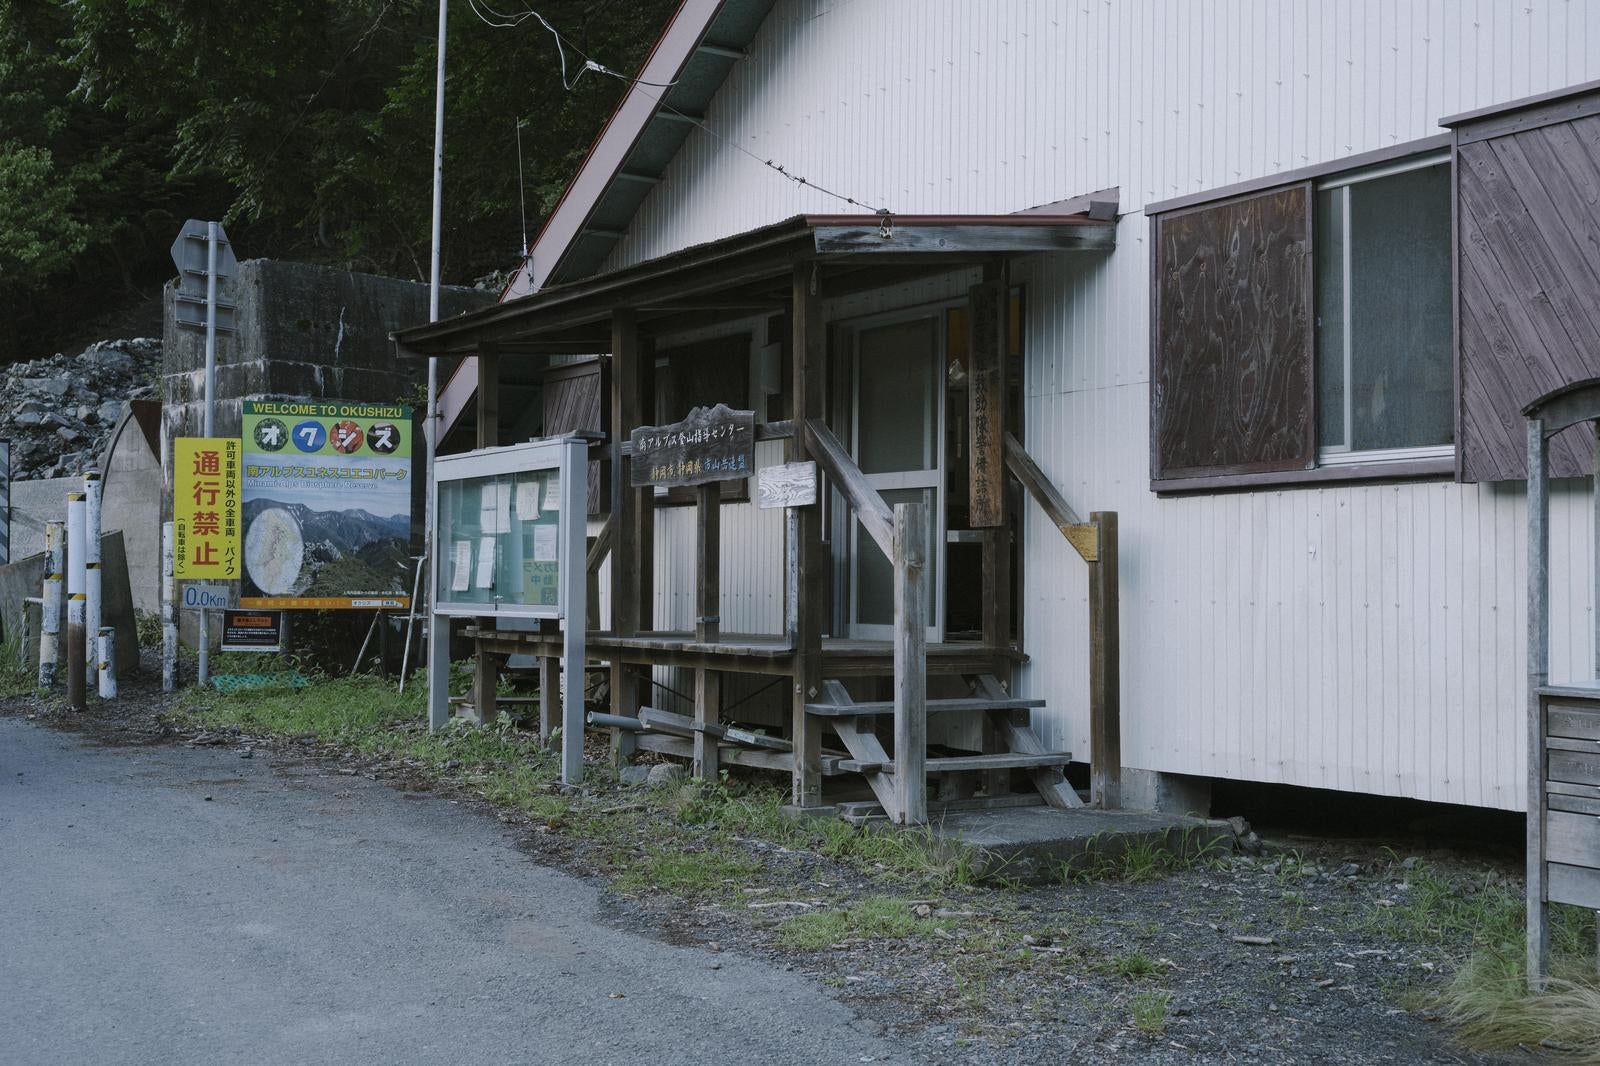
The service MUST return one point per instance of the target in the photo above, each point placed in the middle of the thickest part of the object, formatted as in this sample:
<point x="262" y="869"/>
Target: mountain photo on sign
<point x="327" y="504"/>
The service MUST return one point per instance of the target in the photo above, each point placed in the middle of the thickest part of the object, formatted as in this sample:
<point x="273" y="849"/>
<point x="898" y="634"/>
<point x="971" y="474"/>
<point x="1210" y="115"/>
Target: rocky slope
<point x="58" y="412"/>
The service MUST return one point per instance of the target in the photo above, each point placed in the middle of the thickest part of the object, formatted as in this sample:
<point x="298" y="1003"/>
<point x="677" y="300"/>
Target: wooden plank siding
<point x="1528" y="216"/>
<point x="574" y="400"/>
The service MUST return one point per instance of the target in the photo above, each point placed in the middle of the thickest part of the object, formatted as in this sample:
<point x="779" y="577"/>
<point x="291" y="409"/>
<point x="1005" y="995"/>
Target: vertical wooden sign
<point x="986" y="391"/>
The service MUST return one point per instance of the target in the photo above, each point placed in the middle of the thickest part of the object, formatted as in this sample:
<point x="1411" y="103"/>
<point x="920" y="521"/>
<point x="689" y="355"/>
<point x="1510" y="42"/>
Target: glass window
<point x="500" y="539"/>
<point x="1384" y="370"/>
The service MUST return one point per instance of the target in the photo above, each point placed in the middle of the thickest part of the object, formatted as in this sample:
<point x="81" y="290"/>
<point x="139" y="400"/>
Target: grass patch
<point x="876" y="918"/>
<point x="342" y="709"/>
<point x="913" y="855"/>
<point x="1144" y="858"/>
<point x="1134" y="966"/>
<point x="1149" y="1010"/>
<point x="665" y="868"/>
<point x="16" y="677"/>
<point x="1489" y="1002"/>
<point x="1487" y="997"/>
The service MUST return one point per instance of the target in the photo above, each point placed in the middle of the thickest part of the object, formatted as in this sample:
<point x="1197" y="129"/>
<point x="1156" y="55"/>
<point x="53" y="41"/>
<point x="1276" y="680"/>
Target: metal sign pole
<point x="210" y="411"/>
<point x="438" y="644"/>
<point x="574" y="577"/>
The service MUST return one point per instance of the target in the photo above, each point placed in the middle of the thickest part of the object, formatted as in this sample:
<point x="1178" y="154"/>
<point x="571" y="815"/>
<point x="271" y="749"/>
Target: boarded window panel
<point x="572" y="402"/>
<point x="1528" y="212"/>
<point x="1232" y="388"/>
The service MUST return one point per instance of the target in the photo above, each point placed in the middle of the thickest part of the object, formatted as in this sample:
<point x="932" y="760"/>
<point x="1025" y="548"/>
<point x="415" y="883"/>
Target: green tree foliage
<point x="306" y="124"/>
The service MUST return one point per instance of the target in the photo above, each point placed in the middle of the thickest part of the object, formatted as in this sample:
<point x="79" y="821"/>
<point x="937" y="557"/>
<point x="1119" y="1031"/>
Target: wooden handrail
<point x="1096" y="541"/>
<point x="601" y="546"/>
<point x="876" y="517"/>
<point x="1080" y="534"/>
<point x="902" y="533"/>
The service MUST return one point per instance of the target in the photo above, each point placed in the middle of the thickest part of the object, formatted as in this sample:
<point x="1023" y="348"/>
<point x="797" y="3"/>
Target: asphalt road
<point x="174" y="905"/>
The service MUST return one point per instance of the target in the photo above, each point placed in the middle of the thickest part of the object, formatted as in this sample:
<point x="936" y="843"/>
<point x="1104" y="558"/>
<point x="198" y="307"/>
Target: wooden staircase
<point x="1006" y="720"/>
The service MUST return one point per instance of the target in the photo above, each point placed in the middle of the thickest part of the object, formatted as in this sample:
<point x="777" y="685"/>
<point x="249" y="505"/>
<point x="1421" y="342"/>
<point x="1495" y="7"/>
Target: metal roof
<point x="749" y="269"/>
<point x="702" y="43"/>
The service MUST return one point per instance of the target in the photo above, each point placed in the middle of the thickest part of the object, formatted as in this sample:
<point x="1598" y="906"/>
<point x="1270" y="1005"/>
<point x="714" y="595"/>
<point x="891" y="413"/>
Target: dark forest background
<point x="306" y="125"/>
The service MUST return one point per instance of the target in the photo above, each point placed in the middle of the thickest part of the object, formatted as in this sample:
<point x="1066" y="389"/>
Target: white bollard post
<point x="169" y="614"/>
<point x="106" y="642"/>
<point x="76" y="645"/>
<point x="91" y="561"/>
<point x="55" y="543"/>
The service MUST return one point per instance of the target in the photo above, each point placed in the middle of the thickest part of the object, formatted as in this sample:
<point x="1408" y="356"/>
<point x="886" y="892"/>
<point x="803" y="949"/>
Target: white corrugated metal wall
<point x="1364" y="638"/>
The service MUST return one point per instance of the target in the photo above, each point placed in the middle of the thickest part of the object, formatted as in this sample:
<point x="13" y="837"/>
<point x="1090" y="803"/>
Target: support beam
<point x="808" y="354"/>
<point x="625" y="374"/>
<point x="911" y="662"/>
<point x="1105" y="667"/>
<point x="707" y="715"/>
<point x="486" y="665"/>
<point x="488" y="395"/>
<point x="1538" y="665"/>
<point x="708" y="561"/>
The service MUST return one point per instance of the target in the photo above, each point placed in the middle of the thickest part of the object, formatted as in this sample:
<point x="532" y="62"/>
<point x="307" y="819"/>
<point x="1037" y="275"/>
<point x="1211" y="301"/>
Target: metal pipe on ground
<point x="684" y="726"/>
<point x="600" y="720"/>
<point x="76" y="571"/>
<point x="92" y="573"/>
<point x="106" y="645"/>
<point x="55" y="564"/>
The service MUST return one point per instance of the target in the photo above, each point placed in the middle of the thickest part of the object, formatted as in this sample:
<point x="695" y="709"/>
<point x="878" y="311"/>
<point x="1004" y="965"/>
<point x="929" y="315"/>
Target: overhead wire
<point x="508" y="21"/>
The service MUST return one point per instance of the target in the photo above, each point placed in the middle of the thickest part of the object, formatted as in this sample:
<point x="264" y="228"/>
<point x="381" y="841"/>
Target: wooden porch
<point x="856" y="709"/>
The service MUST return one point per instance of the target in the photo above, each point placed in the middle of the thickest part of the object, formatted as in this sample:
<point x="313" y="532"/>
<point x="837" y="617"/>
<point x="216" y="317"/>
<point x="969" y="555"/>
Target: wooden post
<point x="1105" y="677"/>
<point x="485" y="667"/>
<point x="625" y="415"/>
<point x="808" y="352"/>
<point x="708" y="560"/>
<point x="488" y="396"/>
<point x="707" y="712"/>
<point x="1594" y="549"/>
<point x="911" y="662"/>
<point x="1538" y="675"/>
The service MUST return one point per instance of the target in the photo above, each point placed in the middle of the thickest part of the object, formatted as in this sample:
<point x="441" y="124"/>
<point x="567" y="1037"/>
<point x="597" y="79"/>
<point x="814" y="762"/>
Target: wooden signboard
<point x="788" y="485"/>
<point x="986" y="403"/>
<point x="712" y="444"/>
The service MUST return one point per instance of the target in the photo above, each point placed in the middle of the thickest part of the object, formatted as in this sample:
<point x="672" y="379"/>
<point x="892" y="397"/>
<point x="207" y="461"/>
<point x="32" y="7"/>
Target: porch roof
<point x="749" y="273"/>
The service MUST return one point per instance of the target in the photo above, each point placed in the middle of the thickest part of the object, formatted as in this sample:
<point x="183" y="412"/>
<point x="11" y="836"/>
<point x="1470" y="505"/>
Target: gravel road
<point x="178" y="905"/>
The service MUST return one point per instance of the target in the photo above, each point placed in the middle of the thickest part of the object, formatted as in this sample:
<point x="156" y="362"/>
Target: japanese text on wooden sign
<point x="712" y="444"/>
<point x="205" y="508"/>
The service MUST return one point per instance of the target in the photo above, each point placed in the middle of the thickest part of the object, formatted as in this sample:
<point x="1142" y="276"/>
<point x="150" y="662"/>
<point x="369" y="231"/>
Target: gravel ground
<point x="1282" y="957"/>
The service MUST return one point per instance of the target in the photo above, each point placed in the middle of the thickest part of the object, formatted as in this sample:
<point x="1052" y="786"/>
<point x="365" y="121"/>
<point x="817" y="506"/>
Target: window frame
<point x="1345" y="180"/>
<point x="1430" y="464"/>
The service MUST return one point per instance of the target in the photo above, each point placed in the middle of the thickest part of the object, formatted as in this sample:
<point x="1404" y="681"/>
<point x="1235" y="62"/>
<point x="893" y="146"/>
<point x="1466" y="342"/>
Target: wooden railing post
<point x="1105" y="669"/>
<point x="911" y="662"/>
<point x="707" y="625"/>
<point x="808" y="350"/>
<point x="625" y="549"/>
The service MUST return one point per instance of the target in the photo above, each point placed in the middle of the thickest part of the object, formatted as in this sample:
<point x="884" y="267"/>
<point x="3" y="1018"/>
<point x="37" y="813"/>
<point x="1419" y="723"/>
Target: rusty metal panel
<point x="1528" y="206"/>
<point x="1232" y="387"/>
